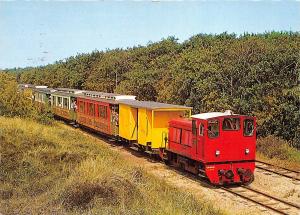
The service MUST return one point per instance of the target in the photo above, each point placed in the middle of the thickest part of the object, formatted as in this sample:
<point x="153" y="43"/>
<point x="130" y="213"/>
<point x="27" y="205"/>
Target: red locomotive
<point x="218" y="146"/>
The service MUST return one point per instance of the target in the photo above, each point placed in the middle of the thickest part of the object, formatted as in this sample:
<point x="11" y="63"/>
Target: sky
<point x="34" y="33"/>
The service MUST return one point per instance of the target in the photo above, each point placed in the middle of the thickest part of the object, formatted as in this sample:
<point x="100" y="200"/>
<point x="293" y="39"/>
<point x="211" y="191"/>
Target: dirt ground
<point x="270" y="183"/>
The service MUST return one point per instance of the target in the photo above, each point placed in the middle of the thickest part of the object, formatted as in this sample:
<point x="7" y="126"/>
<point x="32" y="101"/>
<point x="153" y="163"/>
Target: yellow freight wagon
<point x="146" y="123"/>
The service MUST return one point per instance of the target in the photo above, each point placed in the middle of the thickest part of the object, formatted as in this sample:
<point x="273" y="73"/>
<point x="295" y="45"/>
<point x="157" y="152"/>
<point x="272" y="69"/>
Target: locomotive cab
<point x="228" y="146"/>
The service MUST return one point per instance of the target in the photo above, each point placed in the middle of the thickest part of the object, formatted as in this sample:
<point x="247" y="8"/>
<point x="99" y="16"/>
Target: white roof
<point x="120" y="97"/>
<point x="41" y="87"/>
<point x="212" y="115"/>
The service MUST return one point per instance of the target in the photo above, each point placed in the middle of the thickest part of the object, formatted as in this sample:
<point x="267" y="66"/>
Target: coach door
<point x="114" y="119"/>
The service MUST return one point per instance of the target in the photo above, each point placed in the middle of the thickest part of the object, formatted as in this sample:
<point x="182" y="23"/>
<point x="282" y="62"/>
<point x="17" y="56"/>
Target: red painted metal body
<point x="194" y="148"/>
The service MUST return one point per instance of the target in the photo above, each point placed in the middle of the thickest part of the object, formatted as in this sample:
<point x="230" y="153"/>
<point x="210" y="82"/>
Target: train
<point x="219" y="146"/>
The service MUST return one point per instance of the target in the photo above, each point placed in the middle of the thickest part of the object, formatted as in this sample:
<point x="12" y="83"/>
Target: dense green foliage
<point x="16" y="103"/>
<point x="249" y="74"/>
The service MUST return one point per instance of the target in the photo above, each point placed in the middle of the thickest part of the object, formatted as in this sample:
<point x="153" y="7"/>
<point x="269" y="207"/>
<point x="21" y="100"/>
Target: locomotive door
<point x="194" y="137"/>
<point x="201" y="139"/>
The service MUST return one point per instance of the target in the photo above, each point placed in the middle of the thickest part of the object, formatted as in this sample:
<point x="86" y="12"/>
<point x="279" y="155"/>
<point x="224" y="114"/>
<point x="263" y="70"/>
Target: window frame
<point x="208" y="134"/>
<point x="201" y="129"/>
<point x="67" y="105"/>
<point x="91" y="109"/>
<point x="81" y="106"/>
<point x="253" y="130"/>
<point x="102" y="111"/>
<point x="239" y="124"/>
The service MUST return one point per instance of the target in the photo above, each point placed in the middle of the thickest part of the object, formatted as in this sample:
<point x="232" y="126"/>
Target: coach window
<point x="231" y="124"/>
<point x="91" y="109"/>
<point x="81" y="107"/>
<point x="201" y="129"/>
<point x="102" y="111"/>
<point x="248" y="127"/>
<point x="213" y="128"/>
<point x="66" y="103"/>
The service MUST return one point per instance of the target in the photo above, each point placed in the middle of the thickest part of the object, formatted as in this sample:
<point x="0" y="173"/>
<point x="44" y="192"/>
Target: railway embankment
<point x="58" y="170"/>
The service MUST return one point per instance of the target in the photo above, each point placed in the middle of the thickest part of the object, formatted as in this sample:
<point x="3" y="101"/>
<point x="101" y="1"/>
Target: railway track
<point x="257" y="197"/>
<point x="288" y="173"/>
<point x="265" y="200"/>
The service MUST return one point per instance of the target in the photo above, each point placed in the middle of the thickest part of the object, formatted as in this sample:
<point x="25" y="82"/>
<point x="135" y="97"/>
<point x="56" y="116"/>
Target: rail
<point x="265" y="200"/>
<point x="288" y="173"/>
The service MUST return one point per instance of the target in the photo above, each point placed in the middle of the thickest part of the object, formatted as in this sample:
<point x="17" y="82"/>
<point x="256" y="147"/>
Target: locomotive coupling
<point x="229" y="174"/>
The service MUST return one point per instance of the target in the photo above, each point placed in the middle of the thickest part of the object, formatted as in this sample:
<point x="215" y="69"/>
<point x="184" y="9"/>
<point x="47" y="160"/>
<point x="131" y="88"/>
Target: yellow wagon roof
<point x="152" y="105"/>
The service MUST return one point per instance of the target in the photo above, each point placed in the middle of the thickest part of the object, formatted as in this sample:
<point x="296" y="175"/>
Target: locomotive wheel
<point x="248" y="177"/>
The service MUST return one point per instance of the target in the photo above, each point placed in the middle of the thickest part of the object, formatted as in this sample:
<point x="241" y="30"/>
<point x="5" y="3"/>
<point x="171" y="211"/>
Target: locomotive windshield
<point x="248" y="127"/>
<point x="231" y="124"/>
<point x="213" y="128"/>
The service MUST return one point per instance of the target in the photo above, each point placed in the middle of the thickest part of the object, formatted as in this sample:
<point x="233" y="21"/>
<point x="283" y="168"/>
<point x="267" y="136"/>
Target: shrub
<point x="275" y="147"/>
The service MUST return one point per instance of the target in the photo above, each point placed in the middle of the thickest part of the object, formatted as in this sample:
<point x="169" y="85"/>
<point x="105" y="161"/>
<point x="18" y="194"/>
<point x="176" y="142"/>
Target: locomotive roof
<point x="213" y="115"/>
<point x="152" y="105"/>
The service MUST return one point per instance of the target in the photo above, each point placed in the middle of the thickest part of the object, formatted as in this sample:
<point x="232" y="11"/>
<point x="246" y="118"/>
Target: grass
<point x="54" y="169"/>
<point x="277" y="151"/>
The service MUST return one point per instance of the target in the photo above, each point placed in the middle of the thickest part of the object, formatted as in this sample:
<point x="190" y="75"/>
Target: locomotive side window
<point x="248" y="127"/>
<point x="201" y="130"/>
<point x="231" y="124"/>
<point x="213" y="128"/>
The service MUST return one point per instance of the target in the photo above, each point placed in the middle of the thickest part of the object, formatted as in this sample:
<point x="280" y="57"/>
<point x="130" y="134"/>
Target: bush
<point x="15" y="103"/>
<point x="275" y="147"/>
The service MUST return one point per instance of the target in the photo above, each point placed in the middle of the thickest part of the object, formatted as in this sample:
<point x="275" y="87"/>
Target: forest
<point x="253" y="74"/>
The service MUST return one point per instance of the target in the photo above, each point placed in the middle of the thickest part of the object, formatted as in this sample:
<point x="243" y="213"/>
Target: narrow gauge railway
<point x="272" y="203"/>
<point x="217" y="145"/>
<point x="288" y="173"/>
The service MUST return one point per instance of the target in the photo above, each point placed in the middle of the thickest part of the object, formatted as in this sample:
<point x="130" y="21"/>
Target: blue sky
<point x="38" y="33"/>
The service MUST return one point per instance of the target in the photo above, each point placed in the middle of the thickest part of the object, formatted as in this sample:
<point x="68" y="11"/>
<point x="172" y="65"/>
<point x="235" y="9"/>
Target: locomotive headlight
<point x="217" y="153"/>
<point x="247" y="151"/>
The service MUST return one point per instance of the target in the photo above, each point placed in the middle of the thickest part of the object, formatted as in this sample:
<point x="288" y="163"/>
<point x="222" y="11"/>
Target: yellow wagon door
<point x="128" y="122"/>
<point x="144" y="126"/>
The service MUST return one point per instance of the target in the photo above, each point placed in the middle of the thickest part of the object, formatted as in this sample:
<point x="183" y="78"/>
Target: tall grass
<point x="47" y="169"/>
<point x="276" y="150"/>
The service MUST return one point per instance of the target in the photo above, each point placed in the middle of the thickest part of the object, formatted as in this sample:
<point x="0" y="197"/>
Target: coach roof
<point x="152" y="105"/>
